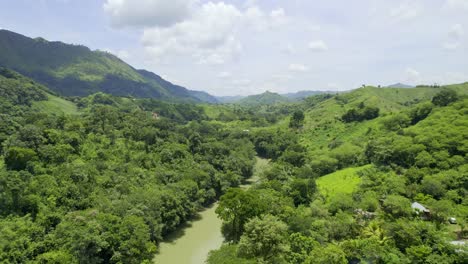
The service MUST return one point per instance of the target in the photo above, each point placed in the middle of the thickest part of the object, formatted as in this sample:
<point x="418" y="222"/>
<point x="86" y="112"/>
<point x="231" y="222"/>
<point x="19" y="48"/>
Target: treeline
<point x="107" y="185"/>
<point x="416" y="155"/>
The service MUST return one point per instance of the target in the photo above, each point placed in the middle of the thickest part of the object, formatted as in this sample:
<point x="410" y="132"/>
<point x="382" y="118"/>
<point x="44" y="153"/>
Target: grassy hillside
<point x="323" y="125"/>
<point x="56" y="105"/>
<point x="75" y="70"/>
<point x="343" y="181"/>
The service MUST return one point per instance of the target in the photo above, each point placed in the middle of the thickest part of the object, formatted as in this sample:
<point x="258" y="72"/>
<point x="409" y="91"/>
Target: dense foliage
<point x="360" y="113"/>
<point x="107" y="185"/>
<point x="417" y="153"/>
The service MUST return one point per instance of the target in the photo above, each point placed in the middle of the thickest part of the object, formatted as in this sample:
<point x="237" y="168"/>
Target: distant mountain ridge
<point x="400" y="85"/>
<point x="267" y="97"/>
<point x="304" y="94"/>
<point x="75" y="70"/>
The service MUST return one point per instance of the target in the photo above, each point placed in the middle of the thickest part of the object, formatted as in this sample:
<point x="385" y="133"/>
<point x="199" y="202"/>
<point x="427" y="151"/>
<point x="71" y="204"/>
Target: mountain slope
<point x="21" y="93"/>
<point x="75" y="70"/>
<point x="303" y="94"/>
<point x="230" y="99"/>
<point x="266" y="98"/>
<point x="323" y="126"/>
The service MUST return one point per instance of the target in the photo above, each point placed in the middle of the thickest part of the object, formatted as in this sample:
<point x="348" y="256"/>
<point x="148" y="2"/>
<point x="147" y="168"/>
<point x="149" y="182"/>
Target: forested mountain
<point x="266" y="98"/>
<point x="303" y="94"/>
<point x="74" y="70"/>
<point x="103" y="179"/>
<point x="230" y="99"/>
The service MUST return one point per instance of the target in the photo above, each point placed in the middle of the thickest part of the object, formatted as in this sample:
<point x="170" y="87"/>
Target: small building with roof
<point x="421" y="210"/>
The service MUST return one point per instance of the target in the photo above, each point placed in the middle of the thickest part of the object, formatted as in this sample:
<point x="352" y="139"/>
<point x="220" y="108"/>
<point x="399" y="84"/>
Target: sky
<point x="244" y="47"/>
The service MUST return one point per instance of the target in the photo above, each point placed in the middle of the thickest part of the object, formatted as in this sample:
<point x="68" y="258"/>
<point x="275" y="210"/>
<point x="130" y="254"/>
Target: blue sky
<point x="249" y="46"/>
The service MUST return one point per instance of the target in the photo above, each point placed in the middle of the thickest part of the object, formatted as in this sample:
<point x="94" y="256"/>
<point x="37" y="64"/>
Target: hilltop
<point x="400" y="85"/>
<point x="75" y="70"/>
<point x="266" y="98"/>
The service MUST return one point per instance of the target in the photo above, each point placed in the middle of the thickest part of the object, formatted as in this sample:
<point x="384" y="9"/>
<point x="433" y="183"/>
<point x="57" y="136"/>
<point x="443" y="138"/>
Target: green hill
<point x="323" y="125"/>
<point x="303" y="94"/>
<point x="20" y="94"/>
<point x="55" y="104"/>
<point x="75" y="70"/>
<point x="266" y="98"/>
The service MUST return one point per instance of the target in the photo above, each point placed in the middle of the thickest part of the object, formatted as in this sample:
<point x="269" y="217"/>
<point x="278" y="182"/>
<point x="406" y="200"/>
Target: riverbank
<point x="192" y="242"/>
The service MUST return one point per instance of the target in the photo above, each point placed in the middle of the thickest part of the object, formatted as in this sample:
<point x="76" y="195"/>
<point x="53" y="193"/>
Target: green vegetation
<point x="55" y="104"/>
<point x="103" y="179"/>
<point x="107" y="185"/>
<point x="266" y="98"/>
<point x="344" y="181"/>
<point x="345" y="189"/>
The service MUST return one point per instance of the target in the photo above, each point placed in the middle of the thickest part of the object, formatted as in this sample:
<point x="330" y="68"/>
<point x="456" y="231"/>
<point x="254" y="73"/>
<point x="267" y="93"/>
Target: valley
<point x="118" y="165"/>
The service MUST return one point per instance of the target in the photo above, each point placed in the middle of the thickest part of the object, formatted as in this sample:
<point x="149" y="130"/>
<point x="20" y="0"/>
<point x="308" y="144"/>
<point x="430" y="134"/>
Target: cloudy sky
<point x="250" y="46"/>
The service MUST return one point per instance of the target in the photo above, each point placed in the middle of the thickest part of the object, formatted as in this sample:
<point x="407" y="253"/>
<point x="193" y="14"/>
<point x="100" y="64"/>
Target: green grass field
<point x="343" y="181"/>
<point x="56" y="105"/>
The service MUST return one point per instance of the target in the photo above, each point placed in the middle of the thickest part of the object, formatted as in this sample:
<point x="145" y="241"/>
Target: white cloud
<point x="211" y="34"/>
<point x="453" y="77"/>
<point x="318" y="45"/>
<point x="333" y="86"/>
<point x="257" y="19"/>
<point x="451" y="45"/>
<point x="242" y="82"/>
<point x="412" y="76"/>
<point x="288" y="49"/>
<point x="456" y="31"/>
<point x="147" y="13"/>
<point x="278" y="17"/>
<point x="281" y="77"/>
<point x="295" y="67"/>
<point x="405" y="11"/>
<point x="250" y="3"/>
<point x="224" y="75"/>
<point x="457" y="4"/>
<point x="121" y="54"/>
<point x="455" y="34"/>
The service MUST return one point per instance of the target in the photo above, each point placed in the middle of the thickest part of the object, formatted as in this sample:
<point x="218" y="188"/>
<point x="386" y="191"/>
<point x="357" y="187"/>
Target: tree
<point x="264" y="238"/>
<point x="297" y="119"/>
<point x="17" y="158"/>
<point x="227" y="254"/>
<point x="300" y="247"/>
<point x="420" y="112"/>
<point x="397" y="206"/>
<point x="302" y="190"/>
<point x="361" y="113"/>
<point x="331" y="254"/>
<point x="445" y="97"/>
<point x="294" y="155"/>
<point x="235" y="208"/>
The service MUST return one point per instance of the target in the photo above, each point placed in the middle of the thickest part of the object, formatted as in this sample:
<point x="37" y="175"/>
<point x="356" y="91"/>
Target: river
<point x="192" y="242"/>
